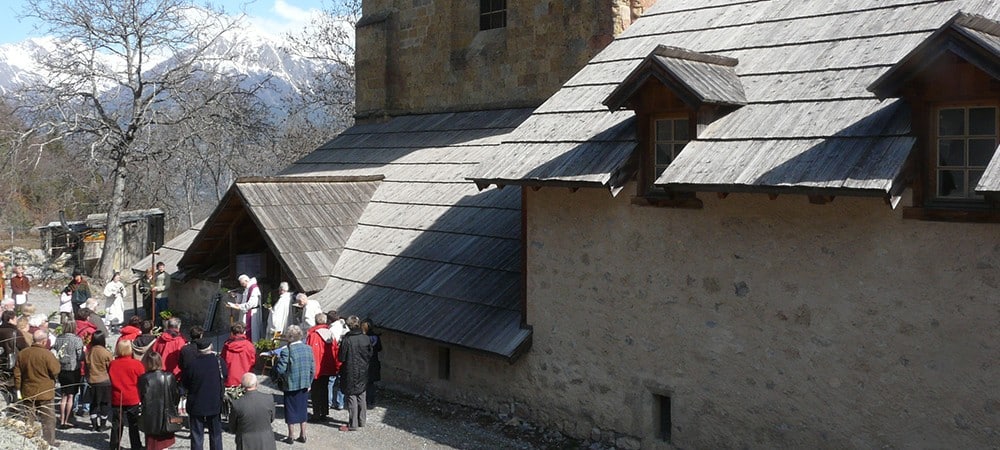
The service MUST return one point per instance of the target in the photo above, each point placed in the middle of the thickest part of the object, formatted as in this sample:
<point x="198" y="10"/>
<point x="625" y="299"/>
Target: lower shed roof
<point x="432" y="256"/>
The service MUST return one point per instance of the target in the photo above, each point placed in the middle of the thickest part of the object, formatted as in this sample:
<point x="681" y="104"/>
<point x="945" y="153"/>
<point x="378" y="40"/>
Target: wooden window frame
<point x="933" y="167"/>
<point x="646" y="192"/>
<point x="927" y="204"/>
<point x="492" y="14"/>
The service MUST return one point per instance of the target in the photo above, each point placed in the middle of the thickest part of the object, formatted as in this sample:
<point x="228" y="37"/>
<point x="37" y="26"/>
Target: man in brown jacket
<point x="35" y="376"/>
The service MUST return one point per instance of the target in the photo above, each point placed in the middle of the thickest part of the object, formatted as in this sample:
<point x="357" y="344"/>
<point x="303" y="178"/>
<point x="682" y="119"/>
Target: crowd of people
<point x="152" y="385"/>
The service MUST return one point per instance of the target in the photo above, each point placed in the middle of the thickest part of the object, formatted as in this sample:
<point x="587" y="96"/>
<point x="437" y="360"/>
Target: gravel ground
<point x="397" y="421"/>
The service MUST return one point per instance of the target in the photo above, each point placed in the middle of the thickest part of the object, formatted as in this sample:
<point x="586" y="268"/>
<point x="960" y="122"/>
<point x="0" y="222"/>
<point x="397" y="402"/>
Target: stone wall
<point x="766" y="323"/>
<point x="191" y="300"/>
<point x="416" y="56"/>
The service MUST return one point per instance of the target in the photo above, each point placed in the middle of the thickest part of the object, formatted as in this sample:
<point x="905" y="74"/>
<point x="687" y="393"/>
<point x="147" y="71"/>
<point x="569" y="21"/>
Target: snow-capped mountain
<point x="257" y="58"/>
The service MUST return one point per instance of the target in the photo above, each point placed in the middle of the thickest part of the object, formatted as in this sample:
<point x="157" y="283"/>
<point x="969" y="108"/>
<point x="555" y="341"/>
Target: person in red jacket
<point x="84" y="328"/>
<point x="169" y="344"/>
<point x="239" y="354"/>
<point x="131" y="331"/>
<point x="124" y="372"/>
<point x="324" y="347"/>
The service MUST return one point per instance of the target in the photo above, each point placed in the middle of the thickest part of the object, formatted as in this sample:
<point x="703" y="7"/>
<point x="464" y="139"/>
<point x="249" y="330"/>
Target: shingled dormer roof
<point x="975" y="39"/>
<point x="696" y="78"/>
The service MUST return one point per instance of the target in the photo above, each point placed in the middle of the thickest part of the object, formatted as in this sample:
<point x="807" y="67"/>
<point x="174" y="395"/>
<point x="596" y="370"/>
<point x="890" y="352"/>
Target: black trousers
<point x="319" y="393"/>
<point x="120" y="415"/>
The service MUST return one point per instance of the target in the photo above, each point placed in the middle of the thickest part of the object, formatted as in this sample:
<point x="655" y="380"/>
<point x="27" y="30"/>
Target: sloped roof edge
<point x="957" y="35"/>
<point x="235" y="192"/>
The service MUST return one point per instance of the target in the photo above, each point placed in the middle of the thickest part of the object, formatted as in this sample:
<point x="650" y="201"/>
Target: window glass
<point x="967" y="141"/>
<point x="492" y="14"/>
<point x="663" y="154"/>
<point x="982" y="121"/>
<point x="664" y="130"/>
<point x="681" y="129"/>
<point x="951" y="183"/>
<point x="669" y="138"/>
<point x="951" y="122"/>
<point x="951" y="152"/>
<point x="981" y="152"/>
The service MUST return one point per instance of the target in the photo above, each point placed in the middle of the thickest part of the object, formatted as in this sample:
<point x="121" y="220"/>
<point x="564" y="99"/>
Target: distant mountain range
<point x="257" y="58"/>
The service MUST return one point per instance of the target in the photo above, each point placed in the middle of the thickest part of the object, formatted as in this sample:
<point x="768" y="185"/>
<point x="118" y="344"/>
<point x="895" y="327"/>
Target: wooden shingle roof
<point x="432" y="256"/>
<point x="810" y="124"/>
<point x="305" y="222"/>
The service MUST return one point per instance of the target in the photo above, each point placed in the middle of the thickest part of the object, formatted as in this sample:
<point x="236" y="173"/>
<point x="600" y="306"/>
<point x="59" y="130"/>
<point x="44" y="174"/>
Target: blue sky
<point x="274" y="16"/>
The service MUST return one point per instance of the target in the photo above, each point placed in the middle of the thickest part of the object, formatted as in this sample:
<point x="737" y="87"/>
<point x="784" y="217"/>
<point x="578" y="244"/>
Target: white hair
<point x="249" y="380"/>
<point x="37" y="320"/>
<point x="243" y="277"/>
<point x="283" y="286"/>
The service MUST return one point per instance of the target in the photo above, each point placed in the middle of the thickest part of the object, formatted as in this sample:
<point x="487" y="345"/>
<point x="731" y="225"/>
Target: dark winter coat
<point x="203" y="379"/>
<point x="355" y="354"/>
<point x="250" y="419"/>
<point x="11" y="341"/>
<point x="160" y="395"/>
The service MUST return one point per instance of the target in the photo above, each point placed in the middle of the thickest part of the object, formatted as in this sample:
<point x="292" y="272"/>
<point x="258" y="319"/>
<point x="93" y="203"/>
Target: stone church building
<point x="680" y="224"/>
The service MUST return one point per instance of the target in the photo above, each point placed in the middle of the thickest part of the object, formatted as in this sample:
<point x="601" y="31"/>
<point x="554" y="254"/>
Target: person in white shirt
<point x="248" y="305"/>
<point x="278" y="319"/>
<point x="309" y="309"/>
<point x="114" y="293"/>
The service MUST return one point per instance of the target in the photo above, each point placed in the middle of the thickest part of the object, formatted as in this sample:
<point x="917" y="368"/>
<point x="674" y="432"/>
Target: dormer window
<point x="670" y="135"/>
<point x="966" y="141"/>
<point x="951" y="82"/>
<point x="674" y="92"/>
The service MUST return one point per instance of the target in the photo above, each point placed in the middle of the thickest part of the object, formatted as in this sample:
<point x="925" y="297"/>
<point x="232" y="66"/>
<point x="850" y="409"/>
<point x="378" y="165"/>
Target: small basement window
<point x="444" y="363"/>
<point x="663" y="423"/>
<point x="492" y="14"/>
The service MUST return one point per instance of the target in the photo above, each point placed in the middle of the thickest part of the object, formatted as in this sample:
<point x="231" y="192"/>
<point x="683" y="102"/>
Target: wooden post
<point x="152" y="282"/>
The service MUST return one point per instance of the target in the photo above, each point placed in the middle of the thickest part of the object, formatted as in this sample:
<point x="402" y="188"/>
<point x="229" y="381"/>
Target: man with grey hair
<point x="35" y="374"/>
<point x="169" y="345"/>
<point x="247" y="305"/>
<point x="309" y="310"/>
<point x="251" y="417"/>
<point x="278" y="319"/>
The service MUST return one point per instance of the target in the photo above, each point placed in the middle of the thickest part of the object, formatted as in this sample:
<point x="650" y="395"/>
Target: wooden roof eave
<point x="189" y="260"/>
<point x="780" y="190"/>
<point x="536" y="184"/>
<point x="511" y="358"/>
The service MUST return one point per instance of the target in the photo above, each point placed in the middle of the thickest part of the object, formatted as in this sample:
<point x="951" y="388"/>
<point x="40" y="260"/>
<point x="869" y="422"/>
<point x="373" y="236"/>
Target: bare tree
<point x="120" y="75"/>
<point x="329" y="94"/>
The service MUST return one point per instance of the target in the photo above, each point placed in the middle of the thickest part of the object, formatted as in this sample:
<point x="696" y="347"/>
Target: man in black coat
<point x="355" y="354"/>
<point x="203" y="378"/>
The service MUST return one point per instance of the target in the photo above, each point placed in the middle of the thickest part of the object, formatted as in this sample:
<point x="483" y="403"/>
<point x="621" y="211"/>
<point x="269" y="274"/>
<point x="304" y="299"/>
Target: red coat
<point x="168" y="345"/>
<point x="125" y="372"/>
<point x="324" y="353"/>
<point x="129" y="333"/>
<point x="239" y="355"/>
<point x="84" y="329"/>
